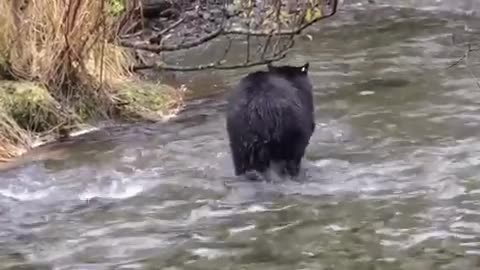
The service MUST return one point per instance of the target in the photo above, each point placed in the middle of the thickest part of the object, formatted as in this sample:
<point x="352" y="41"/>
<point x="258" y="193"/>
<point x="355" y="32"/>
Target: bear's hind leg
<point x="292" y="167"/>
<point x="294" y="162"/>
<point x="259" y="159"/>
<point x="239" y="160"/>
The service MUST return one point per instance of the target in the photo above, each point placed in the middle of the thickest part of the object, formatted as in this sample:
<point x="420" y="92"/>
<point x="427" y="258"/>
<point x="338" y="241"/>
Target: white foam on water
<point x="236" y="230"/>
<point x="210" y="253"/>
<point x="366" y="93"/>
<point x="116" y="190"/>
<point x="23" y="194"/>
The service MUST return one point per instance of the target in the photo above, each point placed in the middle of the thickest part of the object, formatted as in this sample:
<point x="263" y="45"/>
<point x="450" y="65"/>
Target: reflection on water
<point x="391" y="172"/>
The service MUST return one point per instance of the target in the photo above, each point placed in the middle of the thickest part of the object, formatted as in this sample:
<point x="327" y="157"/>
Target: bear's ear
<point x="270" y="66"/>
<point x="304" y="68"/>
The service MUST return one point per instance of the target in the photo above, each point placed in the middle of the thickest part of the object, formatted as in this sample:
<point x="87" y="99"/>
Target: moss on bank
<point x="31" y="106"/>
<point x="29" y="114"/>
<point x="150" y="101"/>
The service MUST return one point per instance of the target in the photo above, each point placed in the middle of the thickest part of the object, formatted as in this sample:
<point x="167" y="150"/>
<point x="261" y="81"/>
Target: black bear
<point x="270" y="118"/>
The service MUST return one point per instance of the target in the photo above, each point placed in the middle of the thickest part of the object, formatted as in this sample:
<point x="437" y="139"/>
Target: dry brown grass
<point x="13" y="140"/>
<point x="62" y="45"/>
<point x="6" y="32"/>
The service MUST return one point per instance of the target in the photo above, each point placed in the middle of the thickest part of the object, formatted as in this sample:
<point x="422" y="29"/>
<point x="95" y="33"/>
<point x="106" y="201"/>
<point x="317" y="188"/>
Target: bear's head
<point x="289" y="71"/>
<point x="298" y="75"/>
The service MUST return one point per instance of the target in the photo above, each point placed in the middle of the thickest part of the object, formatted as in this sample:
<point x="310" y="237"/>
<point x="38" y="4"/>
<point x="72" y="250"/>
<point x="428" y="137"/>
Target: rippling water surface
<point x="392" y="171"/>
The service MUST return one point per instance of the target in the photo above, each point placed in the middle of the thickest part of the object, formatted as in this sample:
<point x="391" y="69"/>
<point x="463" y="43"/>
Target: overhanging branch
<point x="206" y="21"/>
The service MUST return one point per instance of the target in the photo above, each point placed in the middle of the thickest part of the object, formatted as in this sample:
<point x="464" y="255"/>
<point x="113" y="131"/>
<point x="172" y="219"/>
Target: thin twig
<point x="267" y="44"/>
<point x="102" y="56"/>
<point x="468" y="50"/>
<point x="166" y="48"/>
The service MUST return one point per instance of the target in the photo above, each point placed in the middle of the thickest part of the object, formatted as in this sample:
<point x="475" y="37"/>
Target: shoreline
<point x="25" y="105"/>
<point x="53" y="148"/>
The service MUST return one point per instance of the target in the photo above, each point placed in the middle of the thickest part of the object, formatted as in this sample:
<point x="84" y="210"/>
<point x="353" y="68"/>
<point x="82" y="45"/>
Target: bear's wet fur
<point x="270" y="119"/>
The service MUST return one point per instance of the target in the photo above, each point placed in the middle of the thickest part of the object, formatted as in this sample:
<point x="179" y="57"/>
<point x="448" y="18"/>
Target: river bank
<point x="61" y="74"/>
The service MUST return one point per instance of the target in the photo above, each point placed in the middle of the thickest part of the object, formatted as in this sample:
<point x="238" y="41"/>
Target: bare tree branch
<point x="195" y="23"/>
<point x="211" y="65"/>
<point x="166" y="48"/>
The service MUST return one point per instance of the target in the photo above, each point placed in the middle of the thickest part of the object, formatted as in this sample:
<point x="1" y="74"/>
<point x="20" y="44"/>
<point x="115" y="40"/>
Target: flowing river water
<point x="392" y="171"/>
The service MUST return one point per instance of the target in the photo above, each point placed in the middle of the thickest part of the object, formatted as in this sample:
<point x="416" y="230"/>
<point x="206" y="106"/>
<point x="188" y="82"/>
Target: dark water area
<point x="392" y="171"/>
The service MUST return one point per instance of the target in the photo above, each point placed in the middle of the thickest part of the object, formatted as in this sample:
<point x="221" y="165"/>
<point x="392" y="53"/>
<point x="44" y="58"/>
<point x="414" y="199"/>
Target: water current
<point x="392" y="171"/>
